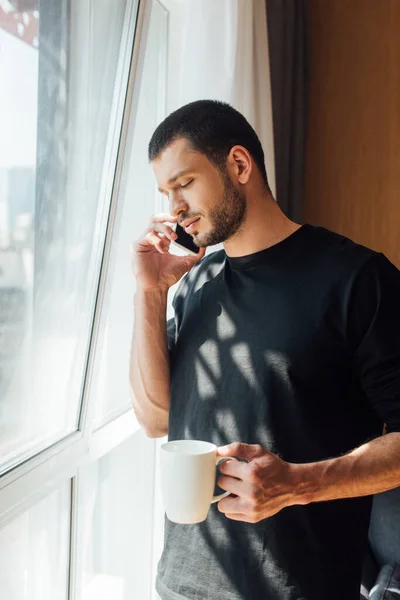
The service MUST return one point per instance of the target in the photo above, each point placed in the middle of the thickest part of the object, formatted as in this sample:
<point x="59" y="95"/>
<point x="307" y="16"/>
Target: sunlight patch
<point x="210" y="356"/>
<point x="226" y="420"/>
<point x="226" y="328"/>
<point x="241" y="356"/>
<point x="205" y="384"/>
<point x="279" y="364"/>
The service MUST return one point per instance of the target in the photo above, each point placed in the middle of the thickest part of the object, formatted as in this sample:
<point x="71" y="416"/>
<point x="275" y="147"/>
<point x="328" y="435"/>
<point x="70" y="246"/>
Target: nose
<point x="177" y="204"/>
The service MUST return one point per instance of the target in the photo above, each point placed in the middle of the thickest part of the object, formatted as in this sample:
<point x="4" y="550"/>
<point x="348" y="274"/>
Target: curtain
<point x="287" y="30"/>
<point x="219" y="50"/>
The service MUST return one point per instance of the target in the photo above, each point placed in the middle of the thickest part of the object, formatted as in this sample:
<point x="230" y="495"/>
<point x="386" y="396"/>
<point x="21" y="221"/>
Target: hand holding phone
<point x="152" y="264"/>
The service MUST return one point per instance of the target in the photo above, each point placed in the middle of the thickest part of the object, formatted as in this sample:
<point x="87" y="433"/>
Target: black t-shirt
<point x="296" y="348"/>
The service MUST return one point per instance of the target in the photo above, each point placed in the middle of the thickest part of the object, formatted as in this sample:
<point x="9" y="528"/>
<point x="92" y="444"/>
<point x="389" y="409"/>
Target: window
<point x="115" y="544"/>
<point x="35" y="563"/>
<point x="138" y="199"/>
<point x="56" y="169"/>
<point x="84" y="86"/>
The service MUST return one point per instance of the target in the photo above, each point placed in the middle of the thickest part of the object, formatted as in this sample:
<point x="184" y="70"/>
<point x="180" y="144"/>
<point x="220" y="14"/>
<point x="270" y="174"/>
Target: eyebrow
<point x="176" y="176"/>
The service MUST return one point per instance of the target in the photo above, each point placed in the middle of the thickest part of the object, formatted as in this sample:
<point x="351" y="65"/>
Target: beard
<point x="226" y="218"/>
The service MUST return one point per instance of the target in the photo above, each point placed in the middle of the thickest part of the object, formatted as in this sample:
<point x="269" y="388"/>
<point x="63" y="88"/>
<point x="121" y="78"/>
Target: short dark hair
<point x="212" y="128"/>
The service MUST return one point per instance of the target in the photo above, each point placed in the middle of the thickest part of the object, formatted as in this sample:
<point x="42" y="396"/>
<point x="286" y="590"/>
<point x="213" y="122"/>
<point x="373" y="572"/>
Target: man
<point x="284" y="351"/>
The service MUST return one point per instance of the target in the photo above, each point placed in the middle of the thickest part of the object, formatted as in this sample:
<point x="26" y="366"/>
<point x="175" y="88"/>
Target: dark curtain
<point x="287" y="31"/>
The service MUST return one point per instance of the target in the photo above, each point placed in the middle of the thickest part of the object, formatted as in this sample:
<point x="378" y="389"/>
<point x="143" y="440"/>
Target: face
<point x="207" y="203"/>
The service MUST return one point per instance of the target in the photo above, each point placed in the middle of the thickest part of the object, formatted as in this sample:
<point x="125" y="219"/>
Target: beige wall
<point x="353" y="154"/>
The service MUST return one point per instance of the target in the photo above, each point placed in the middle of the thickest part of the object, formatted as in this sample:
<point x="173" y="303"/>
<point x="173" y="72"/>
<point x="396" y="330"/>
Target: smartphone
<point x="185" y="242"/>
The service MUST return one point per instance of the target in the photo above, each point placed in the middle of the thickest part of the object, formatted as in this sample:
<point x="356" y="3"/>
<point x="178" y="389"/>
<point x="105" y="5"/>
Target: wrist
<point x="153" y="300"/>
<point x="156" y="292"/>
<point x="305" y="482"/>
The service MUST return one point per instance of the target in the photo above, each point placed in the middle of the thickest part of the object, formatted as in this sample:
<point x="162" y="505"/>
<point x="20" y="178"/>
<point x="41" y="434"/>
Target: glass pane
<point x="34" y="557"/>
<point x="116" y="508"/>
<point x="138" y="199"/>
<point x="59" y="86"/>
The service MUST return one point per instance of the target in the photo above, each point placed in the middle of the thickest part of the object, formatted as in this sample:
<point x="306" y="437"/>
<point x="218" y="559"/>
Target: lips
<point x="188" y="226"/>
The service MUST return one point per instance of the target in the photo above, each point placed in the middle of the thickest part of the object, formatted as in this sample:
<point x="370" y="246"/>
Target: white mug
<point x="188" y="474"/>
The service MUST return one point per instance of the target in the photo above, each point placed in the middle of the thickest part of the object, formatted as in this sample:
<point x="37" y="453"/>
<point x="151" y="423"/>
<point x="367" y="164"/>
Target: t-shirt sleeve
<point x="173" y="322"/>
<point x="375" y="327"/>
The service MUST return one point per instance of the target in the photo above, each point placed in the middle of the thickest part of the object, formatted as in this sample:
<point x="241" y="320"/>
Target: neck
<point x="265" y="225"/>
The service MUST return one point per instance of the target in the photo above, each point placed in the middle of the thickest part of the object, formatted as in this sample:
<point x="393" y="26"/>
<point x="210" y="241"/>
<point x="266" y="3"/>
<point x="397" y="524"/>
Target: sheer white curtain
<point x="219" y="50"/>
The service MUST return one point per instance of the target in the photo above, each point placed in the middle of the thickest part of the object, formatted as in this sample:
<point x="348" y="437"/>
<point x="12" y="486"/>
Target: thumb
<point x="190" y="260"/>
<point x="198" y="257"/>
<point x="239" y="450"/>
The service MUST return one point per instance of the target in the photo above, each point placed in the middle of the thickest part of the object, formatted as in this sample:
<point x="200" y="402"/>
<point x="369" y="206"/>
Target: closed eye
<point x="187" y="184"/>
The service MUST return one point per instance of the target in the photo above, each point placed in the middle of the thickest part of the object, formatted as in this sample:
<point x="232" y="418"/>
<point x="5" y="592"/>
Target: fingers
<point x="231" y="505"/>
<point x="159" y="224"/>
<point x="163" y="229"/>
<point x="239" y="450"/>
<point x="231" y="484"/>
<point x="159" y="234"/>
<point x="238" y="509"/>
<point x="161" y="244"/>
<point x="240" y="517"/>
<point x="233" y="468"/>
<point x="163" y="218"/>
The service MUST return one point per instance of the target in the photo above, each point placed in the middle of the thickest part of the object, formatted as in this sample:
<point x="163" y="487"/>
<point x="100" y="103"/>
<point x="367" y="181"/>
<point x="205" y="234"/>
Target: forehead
<point x="178" y="157"/>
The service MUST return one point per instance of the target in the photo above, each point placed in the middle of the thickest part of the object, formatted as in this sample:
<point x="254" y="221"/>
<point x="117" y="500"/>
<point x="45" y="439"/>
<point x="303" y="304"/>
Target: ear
<point x="240" y="164"/>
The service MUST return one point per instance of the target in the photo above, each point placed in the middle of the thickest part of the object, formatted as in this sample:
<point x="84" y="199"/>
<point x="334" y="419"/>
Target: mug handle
<point x="225" y="494"/>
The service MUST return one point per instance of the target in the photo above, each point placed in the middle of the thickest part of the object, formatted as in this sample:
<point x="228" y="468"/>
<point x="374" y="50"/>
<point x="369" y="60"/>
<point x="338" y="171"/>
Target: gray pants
<point x="387" y="585"/>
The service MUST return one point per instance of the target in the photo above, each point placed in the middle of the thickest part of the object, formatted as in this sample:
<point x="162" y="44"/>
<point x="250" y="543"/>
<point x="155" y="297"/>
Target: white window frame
<point x="26" y="484"/>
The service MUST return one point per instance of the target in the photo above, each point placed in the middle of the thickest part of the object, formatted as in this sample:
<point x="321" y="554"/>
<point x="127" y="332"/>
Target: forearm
<point x="149" y="363"/>
<point x="372" y="468"/>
